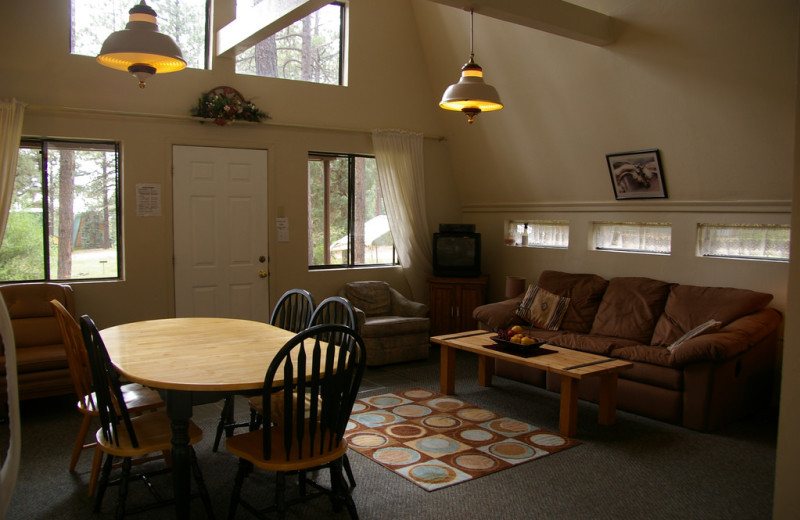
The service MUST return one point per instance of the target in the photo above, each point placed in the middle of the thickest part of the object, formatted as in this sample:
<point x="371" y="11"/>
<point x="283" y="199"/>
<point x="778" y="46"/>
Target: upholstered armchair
<point x="42" y="368"/>
<point x="394" y="328"/>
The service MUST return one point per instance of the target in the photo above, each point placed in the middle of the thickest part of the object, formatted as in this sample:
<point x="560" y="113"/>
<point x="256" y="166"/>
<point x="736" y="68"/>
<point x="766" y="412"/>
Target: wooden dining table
<point x="193" y="361"/>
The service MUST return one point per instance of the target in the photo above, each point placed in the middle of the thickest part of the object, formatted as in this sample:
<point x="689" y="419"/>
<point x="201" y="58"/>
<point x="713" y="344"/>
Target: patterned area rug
<point x="436" y="441"/>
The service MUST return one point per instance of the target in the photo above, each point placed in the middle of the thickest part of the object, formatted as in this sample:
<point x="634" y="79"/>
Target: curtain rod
<point x="147" y="115"/>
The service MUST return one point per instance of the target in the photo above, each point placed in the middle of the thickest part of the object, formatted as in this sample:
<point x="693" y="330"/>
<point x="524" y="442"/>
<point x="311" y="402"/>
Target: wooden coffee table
<point x="571" y="365"/>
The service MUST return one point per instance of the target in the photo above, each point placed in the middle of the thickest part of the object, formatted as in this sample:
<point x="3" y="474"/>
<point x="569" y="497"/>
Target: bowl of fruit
<point x="517" y="338"/>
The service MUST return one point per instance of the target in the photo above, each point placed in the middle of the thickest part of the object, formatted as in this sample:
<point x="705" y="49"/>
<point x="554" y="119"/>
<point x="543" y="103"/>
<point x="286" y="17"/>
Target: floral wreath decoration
<point x="225" y="105"/>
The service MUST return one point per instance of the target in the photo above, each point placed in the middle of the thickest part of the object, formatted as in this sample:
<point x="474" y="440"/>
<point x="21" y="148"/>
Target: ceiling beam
<point x="553" y="16"/>
<point x="261" y="22"/>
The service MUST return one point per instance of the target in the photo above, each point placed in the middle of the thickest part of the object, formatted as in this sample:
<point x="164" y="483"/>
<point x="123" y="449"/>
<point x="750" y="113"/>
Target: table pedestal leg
<point x="485" y="370"/>
<point x="568" y="418"/>
<point x="179" y="409"/>
<point x="447" y="381"/>
<point x="608" y="399"/>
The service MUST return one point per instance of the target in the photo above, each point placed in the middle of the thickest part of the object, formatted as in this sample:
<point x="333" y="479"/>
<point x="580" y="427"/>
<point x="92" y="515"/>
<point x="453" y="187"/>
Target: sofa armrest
<point x="731" y="340"/>
<point x="402" y="306"/>
<point x="498" y="315"/>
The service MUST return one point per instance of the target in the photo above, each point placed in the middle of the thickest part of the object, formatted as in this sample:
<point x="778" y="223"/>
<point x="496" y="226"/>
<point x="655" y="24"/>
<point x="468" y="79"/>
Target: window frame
<point x="596" y="226"/>
<point x="207" y="39"/>
<point x="342" y="48"/>
<point x="41" y="145"/>
<point x="350" y="263"/>
<point x="511" y="236"/>
<point x="766" y="228"/>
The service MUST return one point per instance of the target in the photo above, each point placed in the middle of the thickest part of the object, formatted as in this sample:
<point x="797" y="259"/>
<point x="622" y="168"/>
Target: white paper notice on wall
<point x="148" y="200"/>
<point x="282" y="223"/>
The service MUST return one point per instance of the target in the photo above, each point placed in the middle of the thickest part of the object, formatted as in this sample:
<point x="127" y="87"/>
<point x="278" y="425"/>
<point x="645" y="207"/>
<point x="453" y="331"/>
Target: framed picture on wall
<point x="637" y="175"/>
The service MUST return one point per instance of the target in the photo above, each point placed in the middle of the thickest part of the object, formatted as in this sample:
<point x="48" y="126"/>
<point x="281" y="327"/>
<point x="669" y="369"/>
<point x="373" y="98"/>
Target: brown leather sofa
<point x="701" y="383"/>
<point x="41" y="358"/>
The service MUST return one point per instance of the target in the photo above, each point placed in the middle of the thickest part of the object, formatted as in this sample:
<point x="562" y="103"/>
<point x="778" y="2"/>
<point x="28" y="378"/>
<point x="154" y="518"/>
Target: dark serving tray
<point x="517" y="346"/>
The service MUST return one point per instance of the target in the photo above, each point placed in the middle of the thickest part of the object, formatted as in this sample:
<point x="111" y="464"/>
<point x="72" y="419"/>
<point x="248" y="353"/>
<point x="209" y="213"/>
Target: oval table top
<point x="195" y="354"/>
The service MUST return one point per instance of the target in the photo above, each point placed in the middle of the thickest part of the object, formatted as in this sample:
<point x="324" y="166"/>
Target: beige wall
<point x="147" y="288"/>
<point x="710" y="84"/>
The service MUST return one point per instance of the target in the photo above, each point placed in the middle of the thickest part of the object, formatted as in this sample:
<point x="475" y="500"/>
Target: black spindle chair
<point x="292" y="312"/>
<point x="126" y="437"/>
<point x="324" y="363"/>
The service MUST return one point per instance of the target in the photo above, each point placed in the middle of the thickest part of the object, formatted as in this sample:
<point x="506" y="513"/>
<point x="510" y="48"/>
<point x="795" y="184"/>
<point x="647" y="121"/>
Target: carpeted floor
<point x="637" y="468"/>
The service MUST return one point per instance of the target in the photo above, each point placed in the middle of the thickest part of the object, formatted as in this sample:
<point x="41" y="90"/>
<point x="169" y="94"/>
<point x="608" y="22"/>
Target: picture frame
<point x="637" y="175"/>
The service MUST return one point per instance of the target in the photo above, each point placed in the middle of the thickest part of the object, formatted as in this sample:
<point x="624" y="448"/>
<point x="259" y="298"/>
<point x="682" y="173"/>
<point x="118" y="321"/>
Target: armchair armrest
<point x="402" y="306"/>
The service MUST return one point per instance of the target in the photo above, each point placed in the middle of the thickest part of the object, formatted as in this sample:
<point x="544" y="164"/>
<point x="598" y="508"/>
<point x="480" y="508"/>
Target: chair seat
<point x="382" y="326"/>
<point x="153" y="433"/>
<point x="138" y="398"/>
<point x="249" y="446"/>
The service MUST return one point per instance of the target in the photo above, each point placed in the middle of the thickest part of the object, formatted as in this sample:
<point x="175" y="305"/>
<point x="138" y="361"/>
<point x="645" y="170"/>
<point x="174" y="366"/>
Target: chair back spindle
<point x="107" y="387"/>
<point x="293" y="310"/>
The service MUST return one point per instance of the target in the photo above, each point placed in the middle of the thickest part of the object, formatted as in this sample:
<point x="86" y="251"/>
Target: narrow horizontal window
<point x="632" y="237"/>
<point x="538" y="233"/>
<point x="745" y="241"/>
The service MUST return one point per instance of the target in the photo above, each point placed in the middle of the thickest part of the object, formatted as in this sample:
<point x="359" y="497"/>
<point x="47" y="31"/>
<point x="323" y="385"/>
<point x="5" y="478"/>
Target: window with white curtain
<point x="633" y="237"/>
<point x="744" y="241"/>
<point x="538" y="233"/>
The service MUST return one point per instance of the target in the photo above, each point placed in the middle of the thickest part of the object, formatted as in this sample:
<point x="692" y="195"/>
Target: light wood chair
<point x="126" y="437"/>
<point x="325" y="363"/>
<point x="292" y="312"/>
<point x="137" y="398"/>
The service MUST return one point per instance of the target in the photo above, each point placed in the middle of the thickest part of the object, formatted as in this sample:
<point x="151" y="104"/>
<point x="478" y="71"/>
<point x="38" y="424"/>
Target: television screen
<point x="457" y="254"/>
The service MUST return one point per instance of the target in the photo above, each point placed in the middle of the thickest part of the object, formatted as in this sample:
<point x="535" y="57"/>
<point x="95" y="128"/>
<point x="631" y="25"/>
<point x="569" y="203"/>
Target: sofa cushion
<point x="585" y="292"/>
<point x="372" y="297"/>
<point x="542" y="308"/>
<point x="596" y="344"/>
<point x="630" y="308"/>
<point x="688" y="306"/>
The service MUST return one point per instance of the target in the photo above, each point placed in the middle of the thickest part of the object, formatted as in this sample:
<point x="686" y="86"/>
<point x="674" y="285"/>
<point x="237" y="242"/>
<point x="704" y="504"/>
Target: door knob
<point x="262" y="274"/>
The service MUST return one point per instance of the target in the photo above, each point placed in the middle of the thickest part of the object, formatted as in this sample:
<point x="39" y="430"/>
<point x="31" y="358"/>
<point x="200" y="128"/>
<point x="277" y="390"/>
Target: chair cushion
<point x="384" y="326"/>
<point x="372" y="297"/>
<point x="630" y="308"/>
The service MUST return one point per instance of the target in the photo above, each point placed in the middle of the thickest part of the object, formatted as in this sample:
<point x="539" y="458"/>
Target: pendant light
<point x="471" y="95"/>
<point x="140" y="48"/>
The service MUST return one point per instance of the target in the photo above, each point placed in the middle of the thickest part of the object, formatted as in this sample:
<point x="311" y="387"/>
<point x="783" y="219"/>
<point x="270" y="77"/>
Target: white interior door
<point x="220" y="232"/>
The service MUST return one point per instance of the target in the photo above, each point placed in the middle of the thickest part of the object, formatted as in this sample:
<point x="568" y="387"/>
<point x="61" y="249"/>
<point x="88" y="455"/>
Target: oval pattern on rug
<point x="406" y="431"/>
<point x="412" y="410"/>
<point x="368" y="440"/>
<point x="475" y="462"/>
<point x="396" y="456"/>
<point x="442" y="421"/>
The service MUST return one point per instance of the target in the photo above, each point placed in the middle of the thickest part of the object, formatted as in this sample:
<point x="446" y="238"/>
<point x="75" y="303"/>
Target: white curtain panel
<point x="11" y="113"/>
<point x="10" y="469"/>
<point x="399" y="156"/>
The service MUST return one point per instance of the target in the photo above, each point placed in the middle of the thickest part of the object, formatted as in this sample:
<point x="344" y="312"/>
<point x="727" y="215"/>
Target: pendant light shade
<point x="140" y="48"/>
<point x="471" y="95"/>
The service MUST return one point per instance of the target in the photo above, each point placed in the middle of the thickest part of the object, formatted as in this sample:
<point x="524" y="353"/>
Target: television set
<point x="457" y="255"/>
